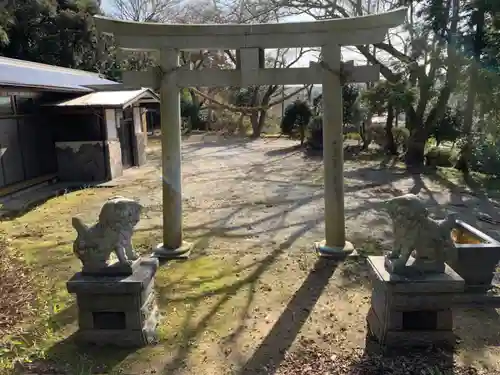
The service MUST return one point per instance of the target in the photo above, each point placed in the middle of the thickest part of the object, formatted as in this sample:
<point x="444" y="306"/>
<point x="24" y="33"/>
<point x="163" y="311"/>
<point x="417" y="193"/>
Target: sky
<point x="106" y="5"/>
<point x="348" y="53"/>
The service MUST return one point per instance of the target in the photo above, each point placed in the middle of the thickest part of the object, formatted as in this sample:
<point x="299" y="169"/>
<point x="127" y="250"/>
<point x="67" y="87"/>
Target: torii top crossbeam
<point x="343" y="31"/>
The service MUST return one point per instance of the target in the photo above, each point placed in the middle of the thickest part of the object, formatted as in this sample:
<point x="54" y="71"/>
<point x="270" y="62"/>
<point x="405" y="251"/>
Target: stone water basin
<point x="475" y="256"/>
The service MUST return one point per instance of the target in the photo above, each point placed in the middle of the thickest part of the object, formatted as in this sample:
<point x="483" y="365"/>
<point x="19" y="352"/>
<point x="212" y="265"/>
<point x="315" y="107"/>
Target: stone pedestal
<point x="414" y="311"/>
<point x="117" y="310"/>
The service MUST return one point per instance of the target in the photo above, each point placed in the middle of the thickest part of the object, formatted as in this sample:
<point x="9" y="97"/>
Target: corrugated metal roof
<point x="120" y="99"/>
<point x="20" y="73"/>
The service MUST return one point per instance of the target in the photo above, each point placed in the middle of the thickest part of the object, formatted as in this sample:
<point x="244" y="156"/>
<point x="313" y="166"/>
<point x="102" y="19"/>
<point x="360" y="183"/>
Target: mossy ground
<point x="44" y="238"/>
<point x="251" y="290"/>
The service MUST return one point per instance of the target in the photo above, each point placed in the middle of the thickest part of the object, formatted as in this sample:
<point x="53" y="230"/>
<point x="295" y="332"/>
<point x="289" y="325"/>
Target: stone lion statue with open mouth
<point x="112" y="233"/>
<point x="415" y="233"/>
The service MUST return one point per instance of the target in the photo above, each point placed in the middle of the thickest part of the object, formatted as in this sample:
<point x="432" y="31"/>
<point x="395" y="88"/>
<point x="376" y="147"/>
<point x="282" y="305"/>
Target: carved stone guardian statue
<point x="112" y="233"/>
<point x="415" y="233"/>
<point x="116" y="302"/>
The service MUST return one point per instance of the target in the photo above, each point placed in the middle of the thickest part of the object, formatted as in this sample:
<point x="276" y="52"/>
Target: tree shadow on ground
<point x="205" y="297"/>
<point x="468" y="203"/>
<point x="12" y="208"/>
<point x="191" y="328"/>
<point x="71" y="357"/>
<point x="67" y="356"/>
<point x="372" y="176"/>
<point x="356" y="272"/>
<point x="399" y="360"/>
<point x="215" y="140"/>
<point x="372" y="360"/>
<point x="221" y="226"/>
<point x="198" y="319"/>
<point x="354" y="153"/>
<point x="271" y="352"/>
<point x="476" y="329"/>
<point x="457" y="192"/>
<point x="286" y="150"/>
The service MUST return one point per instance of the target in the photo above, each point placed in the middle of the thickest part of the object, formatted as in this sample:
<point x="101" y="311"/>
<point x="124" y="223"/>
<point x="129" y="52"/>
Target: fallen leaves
<point x="312" y="359"/>
<point x="17" y="294"/>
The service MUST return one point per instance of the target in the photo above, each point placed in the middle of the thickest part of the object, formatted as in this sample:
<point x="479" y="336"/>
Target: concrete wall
<point x="82" y="161"/>
<point x="79" y="144"/>
<point x="91" y="151"/>
<point x="87" y="144"/>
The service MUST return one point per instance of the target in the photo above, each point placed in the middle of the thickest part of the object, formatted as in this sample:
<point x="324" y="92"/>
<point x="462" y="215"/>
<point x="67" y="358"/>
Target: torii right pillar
<point x="335" y="245"/>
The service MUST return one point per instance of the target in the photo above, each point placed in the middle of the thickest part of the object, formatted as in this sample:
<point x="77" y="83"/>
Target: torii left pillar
<point x="335" y="245"/>
<point x="173" y="246"/>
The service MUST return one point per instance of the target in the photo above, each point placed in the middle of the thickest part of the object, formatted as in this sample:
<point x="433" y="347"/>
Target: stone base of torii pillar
<point x="164" y="253"/>
<point x="333" y="253"/>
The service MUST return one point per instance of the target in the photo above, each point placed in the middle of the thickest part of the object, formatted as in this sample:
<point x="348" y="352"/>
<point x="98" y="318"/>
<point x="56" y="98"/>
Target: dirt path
<point x="253" y="288"/>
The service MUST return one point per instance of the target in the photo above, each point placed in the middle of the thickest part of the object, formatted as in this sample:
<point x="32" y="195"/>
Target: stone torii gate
<point x="250" y="41"/>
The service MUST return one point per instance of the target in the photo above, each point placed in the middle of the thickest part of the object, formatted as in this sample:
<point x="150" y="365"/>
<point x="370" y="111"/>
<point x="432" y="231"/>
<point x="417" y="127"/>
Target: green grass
<point x="477" y="180"/>
<point x="199" y="297"/>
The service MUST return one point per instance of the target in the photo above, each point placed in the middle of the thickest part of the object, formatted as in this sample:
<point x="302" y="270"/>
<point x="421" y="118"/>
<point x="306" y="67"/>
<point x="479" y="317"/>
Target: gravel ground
<point x="260" y="207"/>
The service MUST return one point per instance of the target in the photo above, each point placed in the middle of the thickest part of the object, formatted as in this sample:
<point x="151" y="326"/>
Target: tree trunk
<point x="194" y="99"/>
<point x="210" y="118"/>
<point x="262" y="115"/>
<point x="452" y="71"/>
<point x="254" y="120"/>
<point x="258" y="118"/>
<point x="194" y="119"/>
<point x="364" y="130"/>
<point x="309" y="93"/>
<point x="254" y="117"/>
<point x="391" y="146"/>
<point x="466" y="152"/>
<point x="420" y="129"/>
<point x="414" y="156"/>
<point x="241" y="125"/>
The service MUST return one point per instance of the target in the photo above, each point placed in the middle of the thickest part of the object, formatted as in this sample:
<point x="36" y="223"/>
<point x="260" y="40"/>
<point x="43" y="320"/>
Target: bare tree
<point x="145" y="10"/>
<point x="240" y="11"/>
<point x="216" y="11"/>
<point x="263" y="95"/>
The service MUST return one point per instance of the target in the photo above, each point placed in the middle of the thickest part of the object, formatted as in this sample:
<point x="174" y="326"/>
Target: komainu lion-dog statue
<point x="112" y="233"/>
<point x="419" y="240"/>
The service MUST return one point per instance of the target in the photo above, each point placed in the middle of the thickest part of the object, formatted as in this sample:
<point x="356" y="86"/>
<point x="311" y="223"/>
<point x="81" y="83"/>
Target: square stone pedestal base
<point x="117" y="310"/>
<point x="414" y="311"/>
